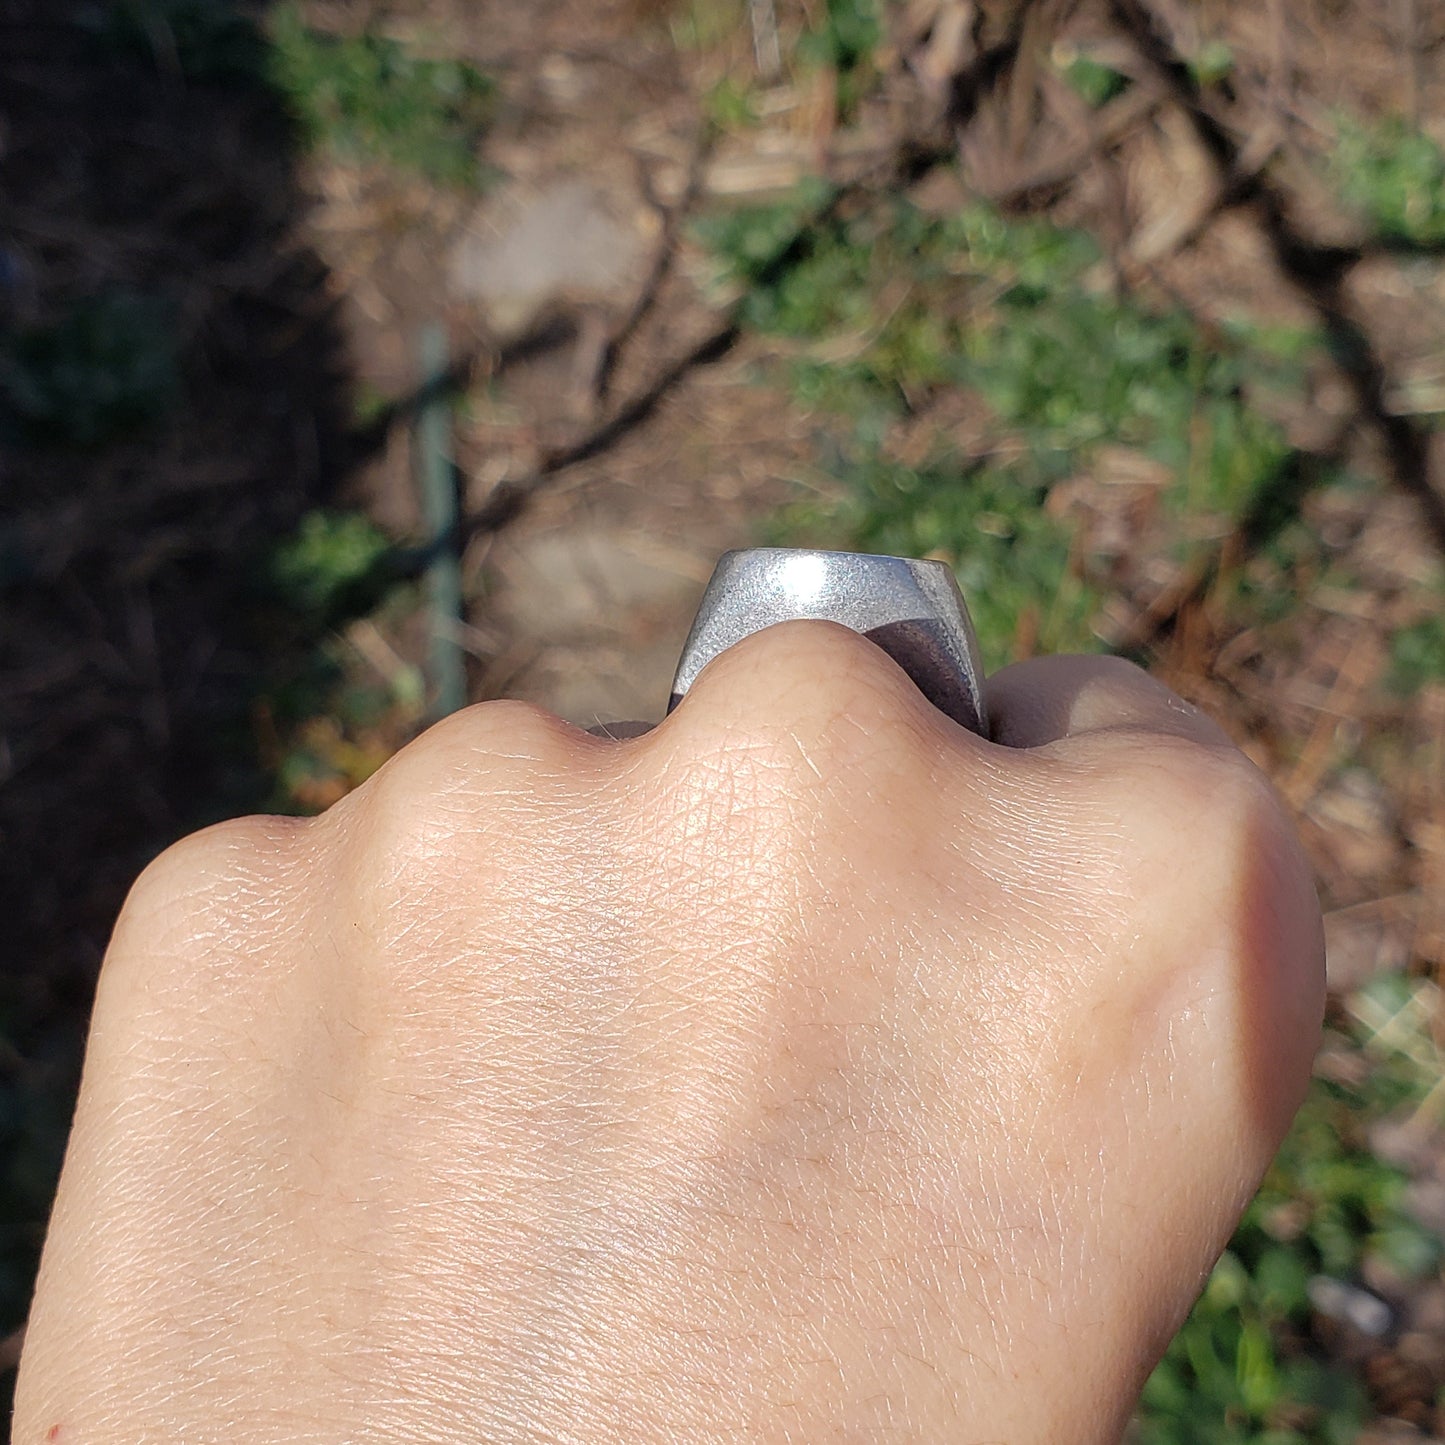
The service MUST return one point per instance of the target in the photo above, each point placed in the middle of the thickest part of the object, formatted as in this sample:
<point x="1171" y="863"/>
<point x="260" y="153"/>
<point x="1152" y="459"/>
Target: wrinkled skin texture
<point x="805" y="1070"/>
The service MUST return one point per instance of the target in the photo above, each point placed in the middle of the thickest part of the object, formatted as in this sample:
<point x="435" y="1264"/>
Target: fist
<point x="806" y="1069"/>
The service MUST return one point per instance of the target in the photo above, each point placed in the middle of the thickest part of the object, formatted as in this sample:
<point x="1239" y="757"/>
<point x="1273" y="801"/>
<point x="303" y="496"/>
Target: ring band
<point x="913" y="610"/>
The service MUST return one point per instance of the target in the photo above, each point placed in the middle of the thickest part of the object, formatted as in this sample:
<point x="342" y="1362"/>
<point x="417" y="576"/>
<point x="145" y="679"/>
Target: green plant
<point x="879" y="312"/>
<point x="335" y="718"/>
<point x="1240" y="1370"/>
<point x="105" y="368"/>
<point x="1021" y="313"/>
<point x="988" y="521"/>
<point x="752" y="242"/>
<point x="1094" y="81"/>
<point x="369" y="97"/>
<point x="341" y="699"/>
<point x="335" y="565"/>
<point x="729" y="106"/>
<point x="1417" y="654"/>
<point x="1213" y="61"/>
<point x="1394" y="176"/>
<point x="843" y="38"/>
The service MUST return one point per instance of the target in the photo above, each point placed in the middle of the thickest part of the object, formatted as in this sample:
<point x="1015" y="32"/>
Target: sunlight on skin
<point x="805" y="1069"/>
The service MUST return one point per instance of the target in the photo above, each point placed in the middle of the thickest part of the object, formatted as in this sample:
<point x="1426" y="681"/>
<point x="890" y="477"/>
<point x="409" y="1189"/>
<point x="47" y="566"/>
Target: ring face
<point x="913" y="610"/>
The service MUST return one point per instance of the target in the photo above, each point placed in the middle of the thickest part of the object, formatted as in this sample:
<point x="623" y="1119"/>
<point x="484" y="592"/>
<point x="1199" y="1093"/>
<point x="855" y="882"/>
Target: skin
<point x="807" y="1069"/>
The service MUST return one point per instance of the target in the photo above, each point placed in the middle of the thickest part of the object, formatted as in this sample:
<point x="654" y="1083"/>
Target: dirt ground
<point x="581" y="602"/>
<point x="614" y="436"/>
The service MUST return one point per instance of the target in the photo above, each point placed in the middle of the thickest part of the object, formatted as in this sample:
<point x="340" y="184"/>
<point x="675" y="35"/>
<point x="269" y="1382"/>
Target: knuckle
<point x="488" y="738"/>
<point x="1214" y="894"/>
<point x="1198" y="819"/>
<point x="1110" y="673"/>
<point x="200" y="871"/>
<point x="202" y="896"/>
<point x="812" y="683"/>
<point x="799" y="748"/>
<point x="1219" y="792"/>
<point x="489" y="772"/>
<point x="494" y="749"/>
<point x="1188" y="794"/>
<point x="501" y="731"/>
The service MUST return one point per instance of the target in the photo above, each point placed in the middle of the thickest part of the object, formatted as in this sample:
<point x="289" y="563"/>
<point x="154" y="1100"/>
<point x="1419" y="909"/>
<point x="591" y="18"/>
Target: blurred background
<point x="361" y="358"/>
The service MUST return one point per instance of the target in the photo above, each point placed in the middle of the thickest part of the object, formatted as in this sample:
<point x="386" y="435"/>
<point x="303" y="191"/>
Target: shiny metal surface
<point x="913" y="610"/>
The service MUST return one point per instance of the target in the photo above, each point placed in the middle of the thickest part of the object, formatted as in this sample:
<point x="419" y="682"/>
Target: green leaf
<point x="1394" y="177"/>
<point x="1417" y="654"/>
<point x="1095" y="82"/>
<point x="333" y="563"/>
<point x="368" y="97"/>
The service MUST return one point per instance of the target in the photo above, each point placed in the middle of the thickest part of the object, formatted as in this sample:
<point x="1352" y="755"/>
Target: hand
<point x="808" y="1069"/>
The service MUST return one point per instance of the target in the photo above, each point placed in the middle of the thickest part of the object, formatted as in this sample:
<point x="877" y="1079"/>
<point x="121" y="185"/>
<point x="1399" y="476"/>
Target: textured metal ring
<point x="913" y="610"/>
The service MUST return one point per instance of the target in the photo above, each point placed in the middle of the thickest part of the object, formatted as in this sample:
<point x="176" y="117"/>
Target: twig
<point x="1112" y="125"/>
<point x="1291" y="480"/>
<point x="967" y="89"/>
<point x="508" y="500"/>
<point x="1316" y="271"/>
<point x="910" y="159"/>
<point x="663" y="261"/>
<point x="1351" y="679"/>
<point x="767" y="53"/>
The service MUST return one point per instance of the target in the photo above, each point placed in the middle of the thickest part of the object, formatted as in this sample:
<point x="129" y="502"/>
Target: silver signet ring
<point x="913" y="610"/>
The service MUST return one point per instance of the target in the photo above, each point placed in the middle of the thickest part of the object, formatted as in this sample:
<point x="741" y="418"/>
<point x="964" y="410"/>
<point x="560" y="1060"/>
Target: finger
<point x="1051" y="698"/>
<point x="1221" y="952"/>
<point x="1167" y="774"/>
<point x="810" y="672"/>
<point x="1180" y="985"/>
